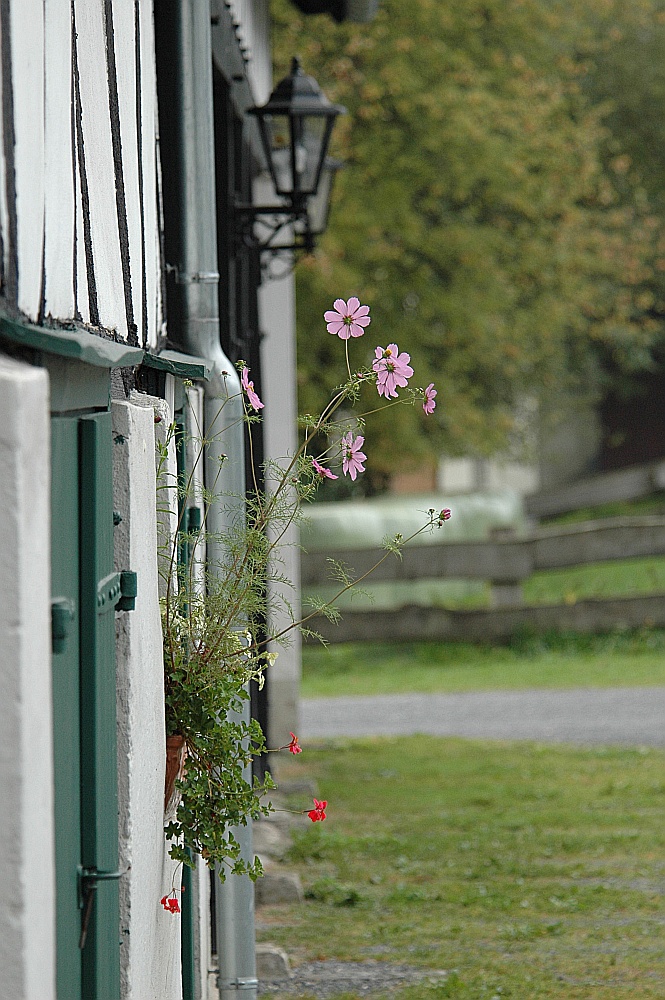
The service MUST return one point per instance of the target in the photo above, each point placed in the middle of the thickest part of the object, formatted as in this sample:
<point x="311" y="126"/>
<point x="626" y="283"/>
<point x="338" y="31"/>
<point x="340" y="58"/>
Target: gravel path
<point x="327" y="979"/>
<point x="585" y="716"/>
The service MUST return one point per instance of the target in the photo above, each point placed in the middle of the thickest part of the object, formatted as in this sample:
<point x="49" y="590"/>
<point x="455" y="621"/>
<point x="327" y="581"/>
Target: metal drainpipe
<point x="197" y="279"/>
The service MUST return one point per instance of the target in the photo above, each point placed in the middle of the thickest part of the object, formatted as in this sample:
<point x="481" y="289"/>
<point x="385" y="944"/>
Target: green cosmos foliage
<point x="214" y="621"/>
<point x="209" y="659"/>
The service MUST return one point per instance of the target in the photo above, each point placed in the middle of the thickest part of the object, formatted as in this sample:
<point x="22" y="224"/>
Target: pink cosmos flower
<point x="352" y="456"/>
<point x="318" y="813"/>
<point x="444" y="515"/>
<point x="248" y="386"/>
<point x="323" y="472"/>
<point x="347" y="319"/>
<point x="392" y="369"/>
<point x="429" y="404"/>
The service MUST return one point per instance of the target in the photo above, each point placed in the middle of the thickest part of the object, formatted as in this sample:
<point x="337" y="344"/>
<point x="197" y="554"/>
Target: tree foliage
<point x="485" y="214"/>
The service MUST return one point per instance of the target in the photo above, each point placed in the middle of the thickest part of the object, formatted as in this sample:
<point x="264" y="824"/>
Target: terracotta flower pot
<point x="176" y="752"/>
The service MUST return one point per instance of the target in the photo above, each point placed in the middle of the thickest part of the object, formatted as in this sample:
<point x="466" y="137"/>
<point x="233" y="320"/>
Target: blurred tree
<point x="624" y="72"/>
<point x="481" y="215"/>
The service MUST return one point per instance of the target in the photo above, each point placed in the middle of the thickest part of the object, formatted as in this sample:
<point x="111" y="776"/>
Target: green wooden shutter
<point x="99" y="768"/>
<point x="84" y="702"/>
<point x="66" y="704"/>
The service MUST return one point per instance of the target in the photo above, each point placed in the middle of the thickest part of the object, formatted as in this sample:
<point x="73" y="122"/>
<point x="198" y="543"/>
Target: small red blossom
<point x="294" y="746"/>
<point x="318" y="813"/>
<point x="170" y="904"/>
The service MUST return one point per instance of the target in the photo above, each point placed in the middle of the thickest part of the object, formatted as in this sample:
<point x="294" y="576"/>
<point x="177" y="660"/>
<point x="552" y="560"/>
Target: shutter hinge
<point x="62" y="620"/>
<point x="128" y="591"/>
<point x="117" y="592"/>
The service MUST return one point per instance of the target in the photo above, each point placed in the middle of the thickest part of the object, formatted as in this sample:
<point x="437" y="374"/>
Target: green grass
<point x="528" y="872"/>
<point x="625" y="578"/>
<point x="654" y="504"/>
<point x="554" y="661"/>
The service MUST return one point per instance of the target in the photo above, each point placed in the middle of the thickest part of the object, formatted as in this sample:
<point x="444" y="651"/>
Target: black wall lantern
<point x="295" y="128"/>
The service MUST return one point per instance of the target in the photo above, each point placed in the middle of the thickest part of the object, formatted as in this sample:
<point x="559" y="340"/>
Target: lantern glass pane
<point x="313" y="133"/>
<point x="318" y="207"/>
<point x="280" y="152"/>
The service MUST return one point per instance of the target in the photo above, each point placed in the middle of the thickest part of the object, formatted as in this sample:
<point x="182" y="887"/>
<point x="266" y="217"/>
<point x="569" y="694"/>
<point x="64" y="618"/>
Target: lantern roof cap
<point x="298" y="94"/>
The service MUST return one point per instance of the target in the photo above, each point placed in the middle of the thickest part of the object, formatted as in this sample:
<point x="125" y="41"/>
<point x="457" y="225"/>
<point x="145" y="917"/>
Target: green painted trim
<point x="175" y="363"/>
<point x="76" y="344"/>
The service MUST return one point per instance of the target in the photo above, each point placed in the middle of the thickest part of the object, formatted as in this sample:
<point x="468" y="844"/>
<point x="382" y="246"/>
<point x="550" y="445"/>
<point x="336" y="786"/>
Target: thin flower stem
<point x="377" y="409"/>
<point x="252" y="463"/>
<point x="173" y="888"/>
<point x="263" y="519"/>
<point x="343" y="590"/>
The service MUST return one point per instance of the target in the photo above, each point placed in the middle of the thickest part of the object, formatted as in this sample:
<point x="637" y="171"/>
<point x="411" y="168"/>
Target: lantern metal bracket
<point x="273" y="219"/>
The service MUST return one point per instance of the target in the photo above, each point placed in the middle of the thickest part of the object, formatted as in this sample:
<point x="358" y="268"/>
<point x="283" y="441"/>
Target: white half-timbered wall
<point x="252" y="20"/>
<point x="79" y="219"/>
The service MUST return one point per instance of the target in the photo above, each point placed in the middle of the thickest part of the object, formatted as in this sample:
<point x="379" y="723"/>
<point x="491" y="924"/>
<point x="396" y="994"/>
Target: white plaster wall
<point x="27" y="860"/>
<point x="59" y="209"/>
<point x="150" y="953"/>
<point x="151" y="194"/>
<point x="201" y="878"/>
<point x="252" y="18"/>
<point x="81" y="297"/>
<point x="167" y="483"/>
<point x="125" y="58"/>
<point x="278" y="371"/>
<point x="27" y="45"/>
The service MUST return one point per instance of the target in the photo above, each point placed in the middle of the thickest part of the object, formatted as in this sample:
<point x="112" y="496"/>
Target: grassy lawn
<point x="653" y="504"/>
<point x="563" y="661"/>
<point x="525" y="871"/>
<point x="624" y="578"/>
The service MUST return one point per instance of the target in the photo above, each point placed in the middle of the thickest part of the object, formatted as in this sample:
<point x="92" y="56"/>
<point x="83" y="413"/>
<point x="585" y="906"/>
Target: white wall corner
<point x="201" y="879"/>
<point x="150" y="957"/>
<point x="167" y="482"/>
<point x="27" y="860"/>
<point x="278" y="372"/>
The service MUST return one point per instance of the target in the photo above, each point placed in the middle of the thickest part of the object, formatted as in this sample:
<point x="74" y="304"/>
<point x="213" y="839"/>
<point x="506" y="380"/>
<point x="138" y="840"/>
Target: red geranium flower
<point x="170" y="904"/>
<point x="318" y="813"/>
<point x="294" y="746"/>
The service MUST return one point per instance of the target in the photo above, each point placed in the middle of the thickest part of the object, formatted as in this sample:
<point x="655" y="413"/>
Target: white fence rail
<point x="506" y="562"/>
